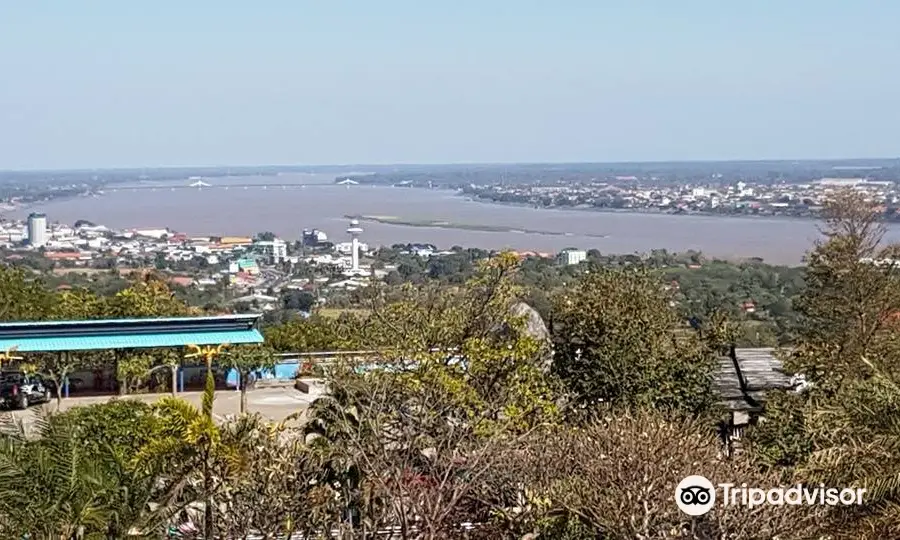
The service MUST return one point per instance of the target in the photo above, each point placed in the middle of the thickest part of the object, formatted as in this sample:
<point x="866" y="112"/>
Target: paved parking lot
<point x="273" y="403"/>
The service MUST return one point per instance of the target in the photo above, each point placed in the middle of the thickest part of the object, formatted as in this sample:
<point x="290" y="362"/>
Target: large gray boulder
<point x="534" y="323"/>
<point x="536" y="328"/>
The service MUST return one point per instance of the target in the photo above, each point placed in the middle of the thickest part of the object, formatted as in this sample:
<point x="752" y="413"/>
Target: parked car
<point x="20" y="390"/>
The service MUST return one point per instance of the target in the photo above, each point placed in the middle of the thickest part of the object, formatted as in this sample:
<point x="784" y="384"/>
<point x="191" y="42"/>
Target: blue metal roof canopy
<point x="99" y="334"/>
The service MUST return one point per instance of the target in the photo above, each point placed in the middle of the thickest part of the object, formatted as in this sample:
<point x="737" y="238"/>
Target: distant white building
<point x="152" y="233"/>
<point x="571" y="256"/>
<point x="275" y="250"/>
<point x="314" y="237"/>
<point x="840" y="182"/>
<point x="63" y="232"/>
<point x="37" y="230"/>
<point x="13" y="233"/>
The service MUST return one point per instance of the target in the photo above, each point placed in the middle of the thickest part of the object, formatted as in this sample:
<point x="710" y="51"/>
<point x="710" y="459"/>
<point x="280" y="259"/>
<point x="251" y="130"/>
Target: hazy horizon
<point x="460" y="164"/>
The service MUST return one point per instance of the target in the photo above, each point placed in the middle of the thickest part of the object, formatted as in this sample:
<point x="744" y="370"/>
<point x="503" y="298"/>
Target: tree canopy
<point x="618" y="341"/>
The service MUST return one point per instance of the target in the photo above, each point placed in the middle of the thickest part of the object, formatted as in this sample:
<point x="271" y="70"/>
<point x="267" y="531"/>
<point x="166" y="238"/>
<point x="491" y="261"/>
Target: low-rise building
<point x="572" y="256"/>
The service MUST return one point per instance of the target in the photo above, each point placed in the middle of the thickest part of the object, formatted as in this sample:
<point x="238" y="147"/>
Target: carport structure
<point x="63" y="337"/>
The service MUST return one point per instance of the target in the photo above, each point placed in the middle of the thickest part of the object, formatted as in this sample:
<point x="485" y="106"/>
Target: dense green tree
<point x="852" y="301"/>
<point x="149" y="297"/>
<point x="840" y="429"/>
<point x="133" y="370"/>
<point x="79" y="304"/>
<point x="317" y="333"/>
<point x="276" y="490"/>
<point x="300" y="301"/>
<point x="469" y="338"/>
<point x="617" y="341"/>
<point x="23" y="297"/>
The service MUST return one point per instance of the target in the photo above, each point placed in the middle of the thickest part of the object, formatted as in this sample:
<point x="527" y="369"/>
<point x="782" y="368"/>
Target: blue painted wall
<point x="283" y="371"/>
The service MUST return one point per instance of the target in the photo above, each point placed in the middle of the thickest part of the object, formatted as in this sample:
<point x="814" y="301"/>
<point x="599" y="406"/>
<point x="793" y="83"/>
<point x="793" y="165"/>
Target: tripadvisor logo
<point x="696" y="495"/>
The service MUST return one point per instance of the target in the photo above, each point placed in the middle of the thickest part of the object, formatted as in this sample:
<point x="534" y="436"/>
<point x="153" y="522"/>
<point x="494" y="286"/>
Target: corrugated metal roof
<point x="248" y="317"/>
<point x="130" y="341"/>
<point x="761" y="372"/>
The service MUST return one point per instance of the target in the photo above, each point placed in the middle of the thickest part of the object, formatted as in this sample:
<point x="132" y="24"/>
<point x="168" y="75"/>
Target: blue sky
<point x="117" y="84"/>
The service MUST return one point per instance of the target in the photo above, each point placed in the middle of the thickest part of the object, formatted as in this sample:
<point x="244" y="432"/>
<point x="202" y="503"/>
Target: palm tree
<point x="56" y="486"/>
<point x="190" y="448"/>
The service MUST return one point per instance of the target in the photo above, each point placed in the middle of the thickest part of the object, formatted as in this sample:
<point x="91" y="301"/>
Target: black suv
<point x="20" y="390"/>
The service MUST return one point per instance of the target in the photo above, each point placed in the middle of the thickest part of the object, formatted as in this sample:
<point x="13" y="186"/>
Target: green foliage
<point x="56" y="367"/>
<point x="416" y="435"/>
<point x="565" y="527"/>
<point x="616" y="342"/>
<point x="851" y="304"/>
<point x="318" y="333"/>
<point x="842" y="430"/>
<point x="22" y="296"/>
<point x="247" y="359"/>
<point x="783" y="438"/>
<point x="720" y="286"/>
<point x="274" y="489"/>
<point x="120" y="426"/>
<point x="133" y="371"/>
<point x="148" y="298"/>
<point x="62" y="484"/>
<point x="79" y="304"/>
<point x="468" y="340"/>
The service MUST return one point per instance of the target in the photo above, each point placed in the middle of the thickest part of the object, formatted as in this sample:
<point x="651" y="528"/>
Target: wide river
<point x="313" y="201"/>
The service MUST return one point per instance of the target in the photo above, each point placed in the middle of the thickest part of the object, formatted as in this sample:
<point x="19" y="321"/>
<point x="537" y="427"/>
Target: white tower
<point x="354" y="231"/>
<point x="37" y="230"/>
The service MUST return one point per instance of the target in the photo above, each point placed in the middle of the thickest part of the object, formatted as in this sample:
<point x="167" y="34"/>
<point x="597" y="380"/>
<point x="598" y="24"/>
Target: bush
<point x="617" y="476"/>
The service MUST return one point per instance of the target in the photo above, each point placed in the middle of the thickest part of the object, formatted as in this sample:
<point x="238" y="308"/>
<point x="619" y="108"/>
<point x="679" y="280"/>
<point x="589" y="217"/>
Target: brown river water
<point x="313" y="201"/>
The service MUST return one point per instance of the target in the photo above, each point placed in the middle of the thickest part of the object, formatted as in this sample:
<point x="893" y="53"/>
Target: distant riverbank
<point x="439" y="224"/>
<point x="432" y="216"/>
<point x="644" y="211"/>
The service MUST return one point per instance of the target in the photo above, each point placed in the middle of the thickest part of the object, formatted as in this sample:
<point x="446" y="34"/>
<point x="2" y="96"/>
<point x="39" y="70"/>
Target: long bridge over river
<point x="200" y="185"/>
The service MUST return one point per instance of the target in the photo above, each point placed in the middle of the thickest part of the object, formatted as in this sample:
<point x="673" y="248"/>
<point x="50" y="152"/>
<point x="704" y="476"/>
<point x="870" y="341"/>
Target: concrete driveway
<point x="275" y="403"/>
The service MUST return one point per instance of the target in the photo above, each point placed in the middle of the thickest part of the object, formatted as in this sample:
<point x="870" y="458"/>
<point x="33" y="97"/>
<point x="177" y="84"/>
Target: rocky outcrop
<point x="534" y="323"/>
<point x="536" y="328"/>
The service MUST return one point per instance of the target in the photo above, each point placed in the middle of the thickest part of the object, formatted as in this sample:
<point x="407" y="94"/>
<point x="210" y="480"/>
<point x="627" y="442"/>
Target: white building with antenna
<point x="354" y="231"/>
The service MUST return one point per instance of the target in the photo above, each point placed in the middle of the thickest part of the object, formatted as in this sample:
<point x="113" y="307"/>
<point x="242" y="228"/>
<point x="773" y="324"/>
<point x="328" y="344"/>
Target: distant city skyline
<point x="101" y="84"/>
<point x="346" y="168"/>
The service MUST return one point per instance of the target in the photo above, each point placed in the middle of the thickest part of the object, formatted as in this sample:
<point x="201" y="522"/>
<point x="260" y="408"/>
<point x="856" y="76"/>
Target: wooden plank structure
<point x="743" y="379"/>
<point x="745" y="375"/>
